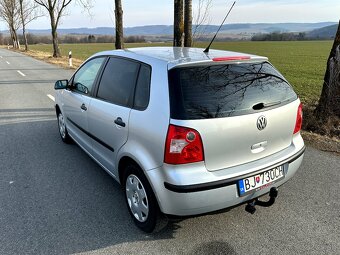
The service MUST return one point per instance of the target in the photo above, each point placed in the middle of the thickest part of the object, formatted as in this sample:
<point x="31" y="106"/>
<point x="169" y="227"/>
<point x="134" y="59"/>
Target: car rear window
<point x="217" y="91"/>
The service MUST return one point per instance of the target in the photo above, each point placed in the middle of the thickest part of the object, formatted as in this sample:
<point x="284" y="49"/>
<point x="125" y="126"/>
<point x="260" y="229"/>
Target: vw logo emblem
<point x="261" y="123"/>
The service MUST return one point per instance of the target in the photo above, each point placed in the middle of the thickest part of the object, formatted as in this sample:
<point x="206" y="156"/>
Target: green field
<point x="303" y="63"/>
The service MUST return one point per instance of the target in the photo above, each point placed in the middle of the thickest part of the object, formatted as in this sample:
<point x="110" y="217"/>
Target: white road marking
<point x="0" y="56"/>
<point x="22" y="74"/>
<point x="51" y="97"/>
<point x="7" y="63"/>
<point x="11" y="182"/>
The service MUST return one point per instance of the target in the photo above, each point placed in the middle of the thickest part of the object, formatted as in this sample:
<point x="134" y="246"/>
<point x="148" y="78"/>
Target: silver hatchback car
<point x="184" y="132"/>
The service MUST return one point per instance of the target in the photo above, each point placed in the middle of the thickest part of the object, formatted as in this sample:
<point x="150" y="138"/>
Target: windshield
<point x="217" y="91"/>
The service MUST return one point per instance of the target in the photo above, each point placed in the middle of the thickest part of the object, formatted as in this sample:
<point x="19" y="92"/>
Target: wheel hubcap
<point x="62" y="128"/>
<point x="136" y="198"/>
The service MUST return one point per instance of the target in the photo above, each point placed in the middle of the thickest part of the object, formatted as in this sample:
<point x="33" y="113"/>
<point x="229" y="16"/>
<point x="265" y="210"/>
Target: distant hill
<point x="243" y="28"/>
<point x="327" y="32"/>
<point x="255" y="28"/>
<point x="140" y="30"/>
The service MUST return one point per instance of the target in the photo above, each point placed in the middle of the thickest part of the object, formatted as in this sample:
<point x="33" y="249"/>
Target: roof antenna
<point x="207" y="49"/>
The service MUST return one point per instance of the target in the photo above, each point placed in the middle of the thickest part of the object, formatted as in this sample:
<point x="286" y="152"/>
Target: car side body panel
<point x="148" y="128"/>
<point x="76" y="118"/>
<point x="110" y="137"/>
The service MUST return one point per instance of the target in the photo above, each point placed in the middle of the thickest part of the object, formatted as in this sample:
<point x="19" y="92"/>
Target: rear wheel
<point x="62" y="128"/>
<point x="141" y="201"/>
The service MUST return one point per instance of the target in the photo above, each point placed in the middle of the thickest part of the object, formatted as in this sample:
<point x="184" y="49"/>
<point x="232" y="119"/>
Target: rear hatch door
<point x="243" y="111"/>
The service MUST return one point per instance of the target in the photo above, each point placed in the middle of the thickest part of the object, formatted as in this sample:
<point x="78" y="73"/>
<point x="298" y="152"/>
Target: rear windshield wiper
<point x="261" y="106"/>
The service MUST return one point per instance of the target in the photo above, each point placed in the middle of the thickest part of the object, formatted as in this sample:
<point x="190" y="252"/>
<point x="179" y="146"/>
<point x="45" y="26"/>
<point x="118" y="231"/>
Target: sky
<point x="153" y="12"/>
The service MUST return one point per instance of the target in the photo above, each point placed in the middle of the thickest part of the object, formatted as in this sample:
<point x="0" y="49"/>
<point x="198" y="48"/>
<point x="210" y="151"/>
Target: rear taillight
<point x="183" y="145"/>
<point x="298" y="123"/>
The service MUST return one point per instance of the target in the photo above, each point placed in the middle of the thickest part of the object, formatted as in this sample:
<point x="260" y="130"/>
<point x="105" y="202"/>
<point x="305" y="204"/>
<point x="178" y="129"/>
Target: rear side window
<point x="118" y="81"/>
<point x="142" y="93"/>
<point x="218" y="91"/>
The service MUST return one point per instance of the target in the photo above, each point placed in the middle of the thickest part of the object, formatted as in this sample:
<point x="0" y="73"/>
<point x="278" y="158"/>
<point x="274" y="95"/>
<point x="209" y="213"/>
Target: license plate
<point x="260" y="181"/>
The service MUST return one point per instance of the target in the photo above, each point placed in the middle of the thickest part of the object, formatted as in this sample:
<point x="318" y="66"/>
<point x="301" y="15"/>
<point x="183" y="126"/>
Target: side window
<point x="142" y="93"/>
<point x="118" y="81"/>
<point x="84" y="79"/>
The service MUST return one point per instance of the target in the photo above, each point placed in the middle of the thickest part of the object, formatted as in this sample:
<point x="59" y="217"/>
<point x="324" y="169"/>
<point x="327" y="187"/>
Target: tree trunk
<point x="119" y="25"/>
<point x="22" y="16"/>
<point x="178" y="23"/>
<point x="14" y="38"/>
<point x="56" y="50"/>
<point x="329" y="102"/>
<point x="25" y="37"/>
<point x="188" y="23"/>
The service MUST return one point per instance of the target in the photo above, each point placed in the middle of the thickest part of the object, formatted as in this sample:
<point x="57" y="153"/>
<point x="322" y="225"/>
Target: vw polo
<point x="184" y="132"/>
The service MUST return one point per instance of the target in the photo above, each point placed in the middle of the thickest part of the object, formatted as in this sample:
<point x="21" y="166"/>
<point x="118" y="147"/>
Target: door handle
<point x="83" y="107"/>
<point x="120" y="122"/>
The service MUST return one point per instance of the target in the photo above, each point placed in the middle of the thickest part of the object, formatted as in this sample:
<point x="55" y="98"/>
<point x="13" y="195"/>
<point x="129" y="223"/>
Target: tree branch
<point x="41" y="3"/>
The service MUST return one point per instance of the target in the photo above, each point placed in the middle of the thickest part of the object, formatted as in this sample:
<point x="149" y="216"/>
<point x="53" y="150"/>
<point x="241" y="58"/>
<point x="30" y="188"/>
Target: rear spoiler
<point x="219" y="61"/>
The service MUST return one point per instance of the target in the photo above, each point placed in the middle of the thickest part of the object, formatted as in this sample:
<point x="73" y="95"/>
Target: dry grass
<point x="330" y="128"/>
<point x="322" y="135"/>
<point x="47" y="57"/>
<point x="322" y="142"/>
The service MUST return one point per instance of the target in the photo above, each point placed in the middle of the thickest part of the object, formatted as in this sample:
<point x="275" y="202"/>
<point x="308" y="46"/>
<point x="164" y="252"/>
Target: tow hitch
<point x="250" y="207"/>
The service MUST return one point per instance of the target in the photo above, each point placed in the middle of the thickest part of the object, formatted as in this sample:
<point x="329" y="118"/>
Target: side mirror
<point x="61" y="84"/>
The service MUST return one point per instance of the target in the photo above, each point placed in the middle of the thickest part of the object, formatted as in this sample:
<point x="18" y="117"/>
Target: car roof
<point x="176" y="56"/>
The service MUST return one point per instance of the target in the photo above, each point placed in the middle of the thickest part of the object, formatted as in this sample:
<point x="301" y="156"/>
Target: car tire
<point x="62" y="128"/>
<point x="140" y="199"/>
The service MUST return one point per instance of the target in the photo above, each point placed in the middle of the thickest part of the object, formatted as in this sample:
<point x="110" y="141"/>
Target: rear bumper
<point x="179" y="193"/>
<point x="226" y="182"/>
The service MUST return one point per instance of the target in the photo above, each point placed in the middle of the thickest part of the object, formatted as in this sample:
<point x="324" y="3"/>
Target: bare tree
<point x="201" y="18"/>
<point x="329" y="102"/>
<point x="29" y="11"/>
<point x="119" y="25"/>
<point x="9" y="12"/>
<point x="178" y="23"/>
<point x="187" y="23"/>
<point x="56" y="9"/>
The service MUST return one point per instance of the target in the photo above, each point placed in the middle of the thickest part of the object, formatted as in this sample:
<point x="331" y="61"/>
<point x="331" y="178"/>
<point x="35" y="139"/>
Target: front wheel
<point x="141" y="201"/>
<point x="62" y="128"/>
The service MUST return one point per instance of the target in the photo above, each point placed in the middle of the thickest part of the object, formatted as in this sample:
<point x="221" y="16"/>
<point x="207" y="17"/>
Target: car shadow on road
<point x="56" y="199"/>
<point x="213" y="247"/>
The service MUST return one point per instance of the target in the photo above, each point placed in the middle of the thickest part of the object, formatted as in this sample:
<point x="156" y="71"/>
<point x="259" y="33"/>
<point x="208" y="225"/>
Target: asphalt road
<point x="55" y="200"/>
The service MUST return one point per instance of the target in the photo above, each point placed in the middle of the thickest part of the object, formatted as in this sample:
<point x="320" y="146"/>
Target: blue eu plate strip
<point x="241" y="186"/>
